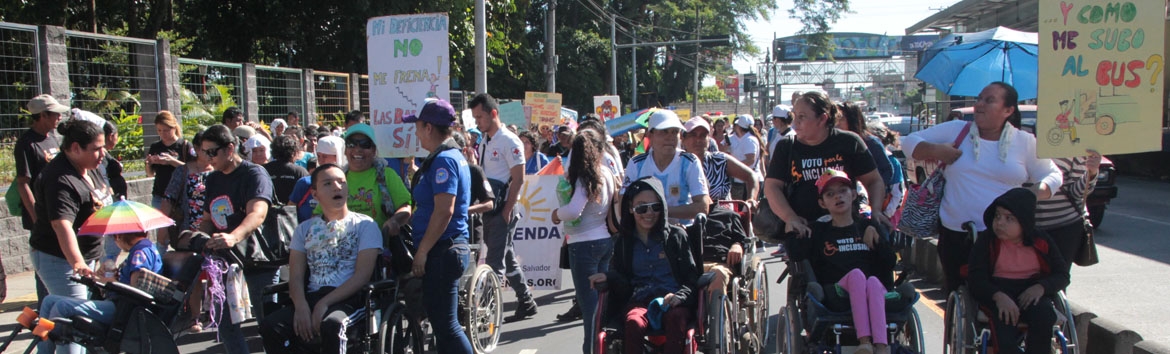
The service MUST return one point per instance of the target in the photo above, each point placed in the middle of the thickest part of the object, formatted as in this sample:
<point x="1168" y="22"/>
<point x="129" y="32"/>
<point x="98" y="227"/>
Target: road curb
<point x="1095" y="334"/>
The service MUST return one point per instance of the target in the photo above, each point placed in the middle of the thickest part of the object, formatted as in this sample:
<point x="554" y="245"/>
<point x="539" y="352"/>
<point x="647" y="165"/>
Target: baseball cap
<point x="331" y="145"/>
<point x="831" y="176"/>
<point x="45" y="102"/>
<point x="696" y="122"/>
<point x="781" y="111"/>
<point x="244" y="132"/>
<point x="664" y="119"/>
<point x="360" y="128"/>
<point x="745" y="121"/>
<point x="438" y="112"/>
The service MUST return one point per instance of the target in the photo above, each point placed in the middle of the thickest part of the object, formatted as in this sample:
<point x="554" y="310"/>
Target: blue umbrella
<point x="962" y="64"/>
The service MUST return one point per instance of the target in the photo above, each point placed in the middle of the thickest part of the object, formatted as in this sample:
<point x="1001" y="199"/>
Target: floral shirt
<point x="195" y="199"/>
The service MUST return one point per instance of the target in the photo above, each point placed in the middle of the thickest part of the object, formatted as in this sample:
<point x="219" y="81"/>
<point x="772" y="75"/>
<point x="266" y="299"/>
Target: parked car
<point x="1096" y="202"/>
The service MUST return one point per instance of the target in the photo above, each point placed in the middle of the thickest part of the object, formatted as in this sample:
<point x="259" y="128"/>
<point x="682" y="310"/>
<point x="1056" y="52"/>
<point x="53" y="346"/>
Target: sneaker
<point x="864" y="349"/>
<point x="525" y="310"/>
<point x="573" y="314"/>
<point x="779" y="252"/>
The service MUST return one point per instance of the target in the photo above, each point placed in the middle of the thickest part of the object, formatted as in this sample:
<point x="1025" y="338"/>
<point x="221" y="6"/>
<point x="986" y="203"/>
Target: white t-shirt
<point x="683" y="179"/>
<point x="743" y="146"/>
<point x="499" y="153"/>
<point x="591" y="213"/>
<point x="331" y="248"/>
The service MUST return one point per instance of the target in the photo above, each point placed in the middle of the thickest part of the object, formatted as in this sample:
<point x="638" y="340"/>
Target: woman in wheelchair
<point x="143" y="255"/>
<point x="849" y="248"/>
<point x="1015" y="269"/>
<point x="651" y="260"/>
<point x="337" y="251"/>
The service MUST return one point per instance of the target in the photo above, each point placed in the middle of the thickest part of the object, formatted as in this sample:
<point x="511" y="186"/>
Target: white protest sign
<point x="537" y="240"/>
<point x="408" y="63"/>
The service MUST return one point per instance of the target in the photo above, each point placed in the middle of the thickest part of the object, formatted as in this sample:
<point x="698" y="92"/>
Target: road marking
<point x="931" y="305"/>
<point x="1160" y="222"/>
<point x="528" y="351"/>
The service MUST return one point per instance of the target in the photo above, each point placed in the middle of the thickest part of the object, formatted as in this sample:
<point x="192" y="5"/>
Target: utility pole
<point x="480" y="47"/>
<point x="698" y="55"/>
<point x="613" y="56"/>
<point x="551" y="45"/>
<point x="634" y="72"/>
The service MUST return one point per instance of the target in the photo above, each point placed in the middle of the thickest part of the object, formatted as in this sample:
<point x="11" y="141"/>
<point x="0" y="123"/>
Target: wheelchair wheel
<point x="759" y="294"/>
<point x="957" y="328"/>
<point x="909" y="335"/>
<point x="1065" y="339"/>
<point x="789" y="340"/>
<point x="398" y="334"/>
<point x="484" y="311"/>
<point x="723" y="325"/>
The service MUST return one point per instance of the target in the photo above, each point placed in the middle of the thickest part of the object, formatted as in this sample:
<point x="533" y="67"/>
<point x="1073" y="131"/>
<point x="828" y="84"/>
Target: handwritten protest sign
<point x="1101" y="77"/>
<point x="512" y="113"/>
<point x="607" y="107"/>
<point x="546" y="107"/>
<point x="408" y="63"/>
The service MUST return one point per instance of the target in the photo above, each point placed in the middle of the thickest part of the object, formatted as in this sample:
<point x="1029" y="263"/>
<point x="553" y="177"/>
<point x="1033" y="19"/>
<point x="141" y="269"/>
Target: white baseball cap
<point x="664" y="119"/>
<point x="780" y="111"/>
<point x="745" y="121"/>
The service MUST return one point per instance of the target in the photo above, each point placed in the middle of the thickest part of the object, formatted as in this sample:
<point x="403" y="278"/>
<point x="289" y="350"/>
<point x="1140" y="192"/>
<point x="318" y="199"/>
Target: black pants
<point x="1068" y="238"/>
<point x="954" y="252"/>
<point x="279" y="335"/>
<point x="1039" y="317"/>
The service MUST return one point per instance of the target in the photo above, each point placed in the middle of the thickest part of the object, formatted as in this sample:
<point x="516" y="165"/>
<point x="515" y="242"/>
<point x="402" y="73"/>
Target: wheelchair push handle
<point x="972" y="233"/>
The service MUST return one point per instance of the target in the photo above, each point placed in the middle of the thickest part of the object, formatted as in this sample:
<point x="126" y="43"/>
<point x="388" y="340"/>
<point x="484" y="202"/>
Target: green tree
<point x="817" y="18"/>
<point x="709" y="94"/>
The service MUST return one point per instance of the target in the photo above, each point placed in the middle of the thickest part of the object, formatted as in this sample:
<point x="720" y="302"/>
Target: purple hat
<point x="437" y="112"/>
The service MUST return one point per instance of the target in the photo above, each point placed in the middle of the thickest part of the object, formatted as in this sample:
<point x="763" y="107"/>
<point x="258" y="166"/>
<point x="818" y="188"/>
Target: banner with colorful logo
<point x="607" y="107"/>
<point x="536" y="240"/>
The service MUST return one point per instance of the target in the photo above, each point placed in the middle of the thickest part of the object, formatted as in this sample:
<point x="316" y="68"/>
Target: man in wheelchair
<point x="653" y="273"/>
<point x="143" y="256"/>
<point x="1015" y="271"/>
<point x="851" y="263"/>
<point x="336" y="253"/>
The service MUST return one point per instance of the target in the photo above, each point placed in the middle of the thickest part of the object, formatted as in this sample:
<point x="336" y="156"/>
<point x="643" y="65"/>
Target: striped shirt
<point x="715" y="167"/>
<point x="1059" y="210"/>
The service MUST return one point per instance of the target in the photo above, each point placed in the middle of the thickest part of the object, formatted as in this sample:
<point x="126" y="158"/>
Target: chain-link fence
<point x="208" y="89"/>
<point x="332" y="93"/>
<point x="19" y="82"/>
<point x="279" y="91"/>
<point x="117" y="78"/>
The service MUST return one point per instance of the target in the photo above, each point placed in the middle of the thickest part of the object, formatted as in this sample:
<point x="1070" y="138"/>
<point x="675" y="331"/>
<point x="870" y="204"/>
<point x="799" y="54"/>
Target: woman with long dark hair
<point x="854" y="122"/>
<point x="590" y="245"/>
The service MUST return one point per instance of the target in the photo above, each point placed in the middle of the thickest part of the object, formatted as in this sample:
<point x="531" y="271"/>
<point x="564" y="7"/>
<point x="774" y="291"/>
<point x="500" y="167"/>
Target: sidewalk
<point x="22" y="292"/>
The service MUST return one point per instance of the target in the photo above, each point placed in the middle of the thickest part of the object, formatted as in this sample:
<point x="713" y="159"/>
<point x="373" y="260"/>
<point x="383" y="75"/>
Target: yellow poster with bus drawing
<point x="1102" y="72"/>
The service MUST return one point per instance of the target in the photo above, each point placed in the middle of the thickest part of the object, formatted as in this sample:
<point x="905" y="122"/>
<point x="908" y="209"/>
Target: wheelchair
<point x="806" y="325"/>
<point x="743" y="325"/>
<point x="143" y="322"/>
<point x="967" y="326"/>
<point x="393" y="320"/>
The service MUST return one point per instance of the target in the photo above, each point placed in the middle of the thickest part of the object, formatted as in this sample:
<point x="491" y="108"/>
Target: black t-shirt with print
<point x="33" y="152"/>
<point x="284" y="177"/>
<point x="227" y="195"/>
<point x="180" y="150"/>
<point x="62" y="194"/>
<point x="800" y="165"/>
<point x="835" y="251"/>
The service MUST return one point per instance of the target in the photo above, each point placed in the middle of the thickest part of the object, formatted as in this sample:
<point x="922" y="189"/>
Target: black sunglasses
<point x="648" y="207"/>
<point x="213" y="151"/>
<point x="359" y="143"/>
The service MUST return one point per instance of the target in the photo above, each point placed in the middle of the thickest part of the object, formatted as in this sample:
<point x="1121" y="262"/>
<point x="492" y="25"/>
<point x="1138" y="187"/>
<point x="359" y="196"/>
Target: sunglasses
<point x="359" y="143"/>
<point x="648" y="207"/>
<point x="213" y="151"/>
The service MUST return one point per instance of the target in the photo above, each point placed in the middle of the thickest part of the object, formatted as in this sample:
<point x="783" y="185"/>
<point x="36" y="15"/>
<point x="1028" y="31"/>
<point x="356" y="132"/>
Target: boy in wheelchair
<point x="652" y="261"/>
<point x="336" y="253"/>
<point x="1014" y="272"/>
<point x="143" y="256"/>
<point x="852" y="263"/>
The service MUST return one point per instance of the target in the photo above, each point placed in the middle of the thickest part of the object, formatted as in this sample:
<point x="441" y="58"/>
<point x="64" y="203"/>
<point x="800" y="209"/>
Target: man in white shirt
<point x="680" y="172"/>
<point x="781" y="126"/>
<point x="502" y="159"/>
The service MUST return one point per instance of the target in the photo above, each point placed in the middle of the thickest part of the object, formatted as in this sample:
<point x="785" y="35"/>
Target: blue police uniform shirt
<point x="449" y="174"/>
<point x="142" y="256"/>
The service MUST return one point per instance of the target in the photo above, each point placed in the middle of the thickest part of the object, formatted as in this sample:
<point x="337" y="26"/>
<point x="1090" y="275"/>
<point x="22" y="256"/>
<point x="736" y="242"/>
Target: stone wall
<point x="14" y="238"/>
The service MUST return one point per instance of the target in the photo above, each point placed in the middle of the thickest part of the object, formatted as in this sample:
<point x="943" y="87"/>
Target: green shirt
<point x="365" y="197"/>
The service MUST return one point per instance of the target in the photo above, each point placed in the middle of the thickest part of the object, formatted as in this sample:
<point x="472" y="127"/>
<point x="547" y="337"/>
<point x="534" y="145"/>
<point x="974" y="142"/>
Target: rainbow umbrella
<point x="124" y="216"/>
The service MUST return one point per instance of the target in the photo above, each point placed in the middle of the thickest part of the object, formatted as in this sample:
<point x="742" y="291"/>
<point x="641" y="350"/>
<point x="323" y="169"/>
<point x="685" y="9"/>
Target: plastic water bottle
<point x="108" y="265"/>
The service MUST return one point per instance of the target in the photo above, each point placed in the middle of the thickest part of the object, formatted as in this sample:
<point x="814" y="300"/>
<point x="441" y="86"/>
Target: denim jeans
<point x="156" y="201"/>
<point x="56" y="306"/>
<point x="445" y="265"/>
<point x="55" y="272"/>
<point x="585" y="259"/>
<point x="230" y="334"/>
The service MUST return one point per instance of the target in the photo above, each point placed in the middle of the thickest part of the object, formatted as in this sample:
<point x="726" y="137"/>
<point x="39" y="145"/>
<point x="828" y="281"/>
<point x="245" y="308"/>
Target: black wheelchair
<point x="967" y="326"/>
<point x="393" y="320"/>
<point x="143" y="322"/>
<point x="739" y="314"/>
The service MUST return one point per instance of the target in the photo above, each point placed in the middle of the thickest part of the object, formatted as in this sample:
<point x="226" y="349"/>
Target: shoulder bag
<point x="1087" y="251"/>
<point x="920" y="218"/>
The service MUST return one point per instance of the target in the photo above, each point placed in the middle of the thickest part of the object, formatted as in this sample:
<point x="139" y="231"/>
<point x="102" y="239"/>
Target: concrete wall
<point x="14" y="238"/>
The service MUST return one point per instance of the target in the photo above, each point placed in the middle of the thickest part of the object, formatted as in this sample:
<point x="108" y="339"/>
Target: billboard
<point x="854" y="46"/>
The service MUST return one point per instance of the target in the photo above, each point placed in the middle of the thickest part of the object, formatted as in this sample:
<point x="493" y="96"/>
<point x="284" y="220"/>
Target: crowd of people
<point x="822" y="169"/>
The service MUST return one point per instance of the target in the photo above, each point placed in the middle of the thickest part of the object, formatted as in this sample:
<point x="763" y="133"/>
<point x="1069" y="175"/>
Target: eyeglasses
<point x="648" y="207"/>
<point x="213" y="151"/>
<point x="359" y="143"/>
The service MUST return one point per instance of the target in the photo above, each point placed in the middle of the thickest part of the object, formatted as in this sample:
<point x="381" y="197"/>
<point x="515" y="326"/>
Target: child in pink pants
<point x="848" y="247"/>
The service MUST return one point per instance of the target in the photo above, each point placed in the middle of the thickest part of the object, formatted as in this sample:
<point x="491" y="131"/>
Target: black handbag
<point x="1087" y="252"/>
<point x="565" y="256"/>
<point x="267" y="247"/>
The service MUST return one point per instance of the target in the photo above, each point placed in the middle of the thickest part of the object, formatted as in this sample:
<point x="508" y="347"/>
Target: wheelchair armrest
<point x="705" y="280"/>
<point x="281" y="287"/>
<point x="130" y="292"/>
<point x="601" y="286"/>
<point x="380" y="285"/>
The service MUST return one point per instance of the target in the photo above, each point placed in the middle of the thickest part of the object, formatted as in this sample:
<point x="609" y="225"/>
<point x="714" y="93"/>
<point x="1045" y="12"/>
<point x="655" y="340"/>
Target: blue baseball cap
<point x="437" y="111"/>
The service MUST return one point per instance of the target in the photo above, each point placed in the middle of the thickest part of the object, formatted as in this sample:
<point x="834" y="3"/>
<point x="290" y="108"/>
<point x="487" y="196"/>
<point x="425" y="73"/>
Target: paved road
<point x="1133" y="245"/>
